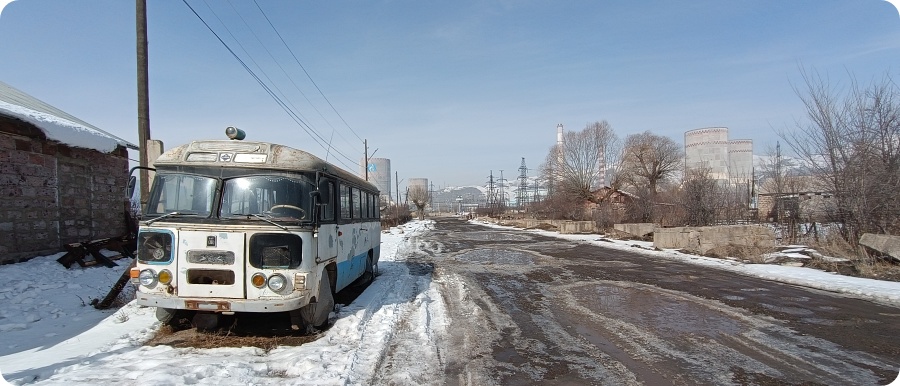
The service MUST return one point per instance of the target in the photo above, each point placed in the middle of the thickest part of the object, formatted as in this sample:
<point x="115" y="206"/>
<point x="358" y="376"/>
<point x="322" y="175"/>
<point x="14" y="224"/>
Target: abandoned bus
<point x="233" y="226"/>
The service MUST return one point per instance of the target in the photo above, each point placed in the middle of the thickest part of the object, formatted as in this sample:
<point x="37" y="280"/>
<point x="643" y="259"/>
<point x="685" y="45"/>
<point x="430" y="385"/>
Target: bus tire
<point x="371" y="269"/>
<point x="316" y="314"/>
<point x="205" y="321"/>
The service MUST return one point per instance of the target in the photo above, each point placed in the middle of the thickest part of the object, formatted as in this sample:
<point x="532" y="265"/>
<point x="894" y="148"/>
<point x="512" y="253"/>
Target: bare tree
<point x="851" y="145"/>
<point x="699" y="197"/>
<point x="575" y="168"/>
<point x="649" y="159"/>
<point x="574" y="171"/>
<point x="420" y="197"/>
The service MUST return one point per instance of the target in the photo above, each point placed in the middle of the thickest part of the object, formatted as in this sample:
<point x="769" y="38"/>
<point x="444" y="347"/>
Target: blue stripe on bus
<point x="346" y="272"/>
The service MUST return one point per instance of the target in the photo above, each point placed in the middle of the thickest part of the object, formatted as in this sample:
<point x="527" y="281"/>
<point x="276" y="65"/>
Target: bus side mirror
<point x="132" y="183"/>
<point x="315" y="197"/>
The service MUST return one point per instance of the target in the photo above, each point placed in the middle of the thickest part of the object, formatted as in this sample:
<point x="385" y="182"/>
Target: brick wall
<point x="53" y="194"/>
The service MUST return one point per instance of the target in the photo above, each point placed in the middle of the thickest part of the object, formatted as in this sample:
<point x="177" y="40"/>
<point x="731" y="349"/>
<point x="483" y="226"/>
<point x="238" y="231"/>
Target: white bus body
<point x="234" y="226"/>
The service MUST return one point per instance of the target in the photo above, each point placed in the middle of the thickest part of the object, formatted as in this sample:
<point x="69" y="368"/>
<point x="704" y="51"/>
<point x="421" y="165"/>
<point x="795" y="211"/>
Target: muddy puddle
<point x="656" y="311"/>
<point x="494" y="236"/>
<point x="495" y="256"/>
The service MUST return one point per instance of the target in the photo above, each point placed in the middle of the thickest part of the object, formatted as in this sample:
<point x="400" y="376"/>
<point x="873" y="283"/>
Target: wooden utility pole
<point x="143" y="97"/>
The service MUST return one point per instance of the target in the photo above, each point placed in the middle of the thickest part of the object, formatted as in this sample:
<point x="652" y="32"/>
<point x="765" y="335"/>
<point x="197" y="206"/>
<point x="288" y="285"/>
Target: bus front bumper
<point x="222" y="304"/>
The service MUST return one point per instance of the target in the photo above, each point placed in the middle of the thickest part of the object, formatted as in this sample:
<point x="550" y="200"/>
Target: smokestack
<point x="559" y="136"/>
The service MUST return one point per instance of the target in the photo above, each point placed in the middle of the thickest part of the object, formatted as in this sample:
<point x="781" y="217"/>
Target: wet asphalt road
<point x="529" y="309"/>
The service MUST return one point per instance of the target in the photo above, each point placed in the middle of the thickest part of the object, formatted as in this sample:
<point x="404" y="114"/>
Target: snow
<point x="62" y="130"/>
<point x="49" y="333"/>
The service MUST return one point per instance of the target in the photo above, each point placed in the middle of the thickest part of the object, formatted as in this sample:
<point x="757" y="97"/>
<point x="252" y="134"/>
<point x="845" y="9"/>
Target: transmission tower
<point x="522" y="195"/>
<point x="491" y="194"/>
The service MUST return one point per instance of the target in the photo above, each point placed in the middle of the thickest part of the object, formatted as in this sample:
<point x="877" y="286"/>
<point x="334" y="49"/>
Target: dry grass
<point x="167" y="336"/>
<point x="749" y="253"/>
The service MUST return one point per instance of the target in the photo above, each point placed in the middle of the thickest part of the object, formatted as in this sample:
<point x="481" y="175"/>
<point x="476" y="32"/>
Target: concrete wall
<point x="54" y="194"/>
<point x="704" y="239"/>
<point x="575" y="227"/>
<point x="637" y="229"/>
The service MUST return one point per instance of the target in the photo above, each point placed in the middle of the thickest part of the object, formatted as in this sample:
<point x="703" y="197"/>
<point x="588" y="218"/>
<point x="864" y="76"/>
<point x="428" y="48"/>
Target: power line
<point x="295" y="110"/>
<point x="286" y="74"/>
<point x="305" y="72"/>
<point x="300" y="122"/>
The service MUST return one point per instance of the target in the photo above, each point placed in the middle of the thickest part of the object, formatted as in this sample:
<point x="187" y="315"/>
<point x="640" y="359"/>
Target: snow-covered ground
<point x="49" y="334"/>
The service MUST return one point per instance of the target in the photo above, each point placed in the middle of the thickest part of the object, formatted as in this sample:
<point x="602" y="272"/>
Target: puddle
<point x="787" y="310"/>
<point x="754" y="289"/>
<point x="819" y="321"/>
<point x="495" y="256"/>
<point x="419" y="269"/>
<point x="734" y="297"/>
<point x="658" y="312"/>
<point x="493" y="236"/>
<point x="615" y="263"/>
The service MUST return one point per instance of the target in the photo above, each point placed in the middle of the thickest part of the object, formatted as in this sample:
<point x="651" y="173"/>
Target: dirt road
<point x="525" y="308"/>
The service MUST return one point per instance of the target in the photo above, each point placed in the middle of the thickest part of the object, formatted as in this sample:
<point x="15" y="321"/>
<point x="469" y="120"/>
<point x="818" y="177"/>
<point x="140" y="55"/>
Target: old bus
<point x="235" y="226"/>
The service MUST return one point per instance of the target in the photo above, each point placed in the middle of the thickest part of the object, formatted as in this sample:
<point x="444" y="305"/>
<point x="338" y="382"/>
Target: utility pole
<point x="366" y="158"/>
<point x="143" y="98"/>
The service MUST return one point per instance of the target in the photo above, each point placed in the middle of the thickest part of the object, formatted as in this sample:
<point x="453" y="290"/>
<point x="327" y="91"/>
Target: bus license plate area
<point x="207" y="306"/>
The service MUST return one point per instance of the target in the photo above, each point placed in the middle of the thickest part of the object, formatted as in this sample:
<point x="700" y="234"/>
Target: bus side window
<point x="357" y="203"/>
<point x="326" y="197"/>
<point x="365" y="205"/>
<point x="345" y="202"/>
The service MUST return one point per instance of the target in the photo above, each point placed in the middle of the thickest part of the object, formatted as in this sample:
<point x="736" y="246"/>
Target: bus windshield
<point x="182" y="193"/>
<point x="273" y="197"/>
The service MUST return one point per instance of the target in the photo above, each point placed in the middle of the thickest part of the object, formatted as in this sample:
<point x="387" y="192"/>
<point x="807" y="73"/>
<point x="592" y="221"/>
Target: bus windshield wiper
<point x="152" y="220"/>
<point x="269" y="221"/>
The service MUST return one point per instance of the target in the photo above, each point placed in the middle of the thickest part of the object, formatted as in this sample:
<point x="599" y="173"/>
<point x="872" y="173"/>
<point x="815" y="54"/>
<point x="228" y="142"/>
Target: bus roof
<point x="251" y="155"/>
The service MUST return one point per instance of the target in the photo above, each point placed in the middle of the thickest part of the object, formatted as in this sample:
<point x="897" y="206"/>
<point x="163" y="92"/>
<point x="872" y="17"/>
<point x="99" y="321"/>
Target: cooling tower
<point x="707" y="148"/>
<point x="379" y="173"/>
<point x="423" y="182"/>
<point x="740" y="159"/>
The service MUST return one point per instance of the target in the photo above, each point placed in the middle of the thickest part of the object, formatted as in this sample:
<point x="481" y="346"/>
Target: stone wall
<point x="53" y="194"/>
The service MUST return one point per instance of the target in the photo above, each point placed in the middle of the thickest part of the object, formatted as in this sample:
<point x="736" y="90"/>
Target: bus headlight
<point x="258" y="280"/>
<point x="277" y="282"/>
<point x="165" y="277"/>
<point x="147" y="278"/>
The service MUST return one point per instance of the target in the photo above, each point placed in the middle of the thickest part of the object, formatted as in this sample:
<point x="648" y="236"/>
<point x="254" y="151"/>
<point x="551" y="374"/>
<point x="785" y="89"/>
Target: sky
<point x="449" y="91"/>
<point x="51" y="337"/>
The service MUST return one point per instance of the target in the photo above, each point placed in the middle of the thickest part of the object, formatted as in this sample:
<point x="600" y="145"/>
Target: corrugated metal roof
<point x="12" y="95"/>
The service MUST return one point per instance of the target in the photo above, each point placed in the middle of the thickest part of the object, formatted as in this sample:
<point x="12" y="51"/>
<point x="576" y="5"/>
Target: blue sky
<point x="447" y="90"/>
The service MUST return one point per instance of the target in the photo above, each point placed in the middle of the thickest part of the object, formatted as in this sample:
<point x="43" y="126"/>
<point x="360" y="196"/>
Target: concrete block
<point x="887" y="244"/>
<point x="637" y="229"/>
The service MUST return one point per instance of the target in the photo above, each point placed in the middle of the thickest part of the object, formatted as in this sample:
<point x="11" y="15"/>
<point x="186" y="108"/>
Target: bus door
<point x="328" y="228"/>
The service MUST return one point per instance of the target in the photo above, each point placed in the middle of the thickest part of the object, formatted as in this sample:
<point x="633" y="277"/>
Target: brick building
<point x="62" y="180"/>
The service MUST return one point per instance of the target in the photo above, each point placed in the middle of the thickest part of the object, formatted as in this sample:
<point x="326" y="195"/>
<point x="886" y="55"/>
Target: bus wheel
<point x="316" y="314"/>
<point x="371" y="270"/>
<point x="177" y="319"/>
<point x="206" y="321"/>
